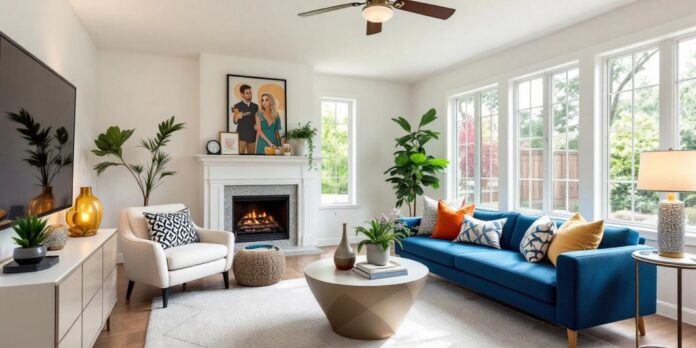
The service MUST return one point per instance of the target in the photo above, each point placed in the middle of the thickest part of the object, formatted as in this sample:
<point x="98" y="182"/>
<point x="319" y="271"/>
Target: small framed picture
<point x="229" y="143"/>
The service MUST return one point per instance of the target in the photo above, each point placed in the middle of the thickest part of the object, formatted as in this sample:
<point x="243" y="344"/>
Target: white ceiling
<point x="409" y="48"/>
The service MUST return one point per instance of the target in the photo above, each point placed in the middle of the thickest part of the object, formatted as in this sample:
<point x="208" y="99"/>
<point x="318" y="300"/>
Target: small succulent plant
<point x="30" y="231"/>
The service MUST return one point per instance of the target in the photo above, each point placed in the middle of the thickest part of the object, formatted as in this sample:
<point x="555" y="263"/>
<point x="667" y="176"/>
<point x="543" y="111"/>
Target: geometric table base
<point x="365" y="312"/>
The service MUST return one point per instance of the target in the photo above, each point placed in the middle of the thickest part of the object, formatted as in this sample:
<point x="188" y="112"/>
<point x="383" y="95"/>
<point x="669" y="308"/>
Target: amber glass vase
<point x="85" y="216"/>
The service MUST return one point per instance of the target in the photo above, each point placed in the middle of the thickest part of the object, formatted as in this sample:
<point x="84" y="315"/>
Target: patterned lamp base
<point x="670" y="228"/>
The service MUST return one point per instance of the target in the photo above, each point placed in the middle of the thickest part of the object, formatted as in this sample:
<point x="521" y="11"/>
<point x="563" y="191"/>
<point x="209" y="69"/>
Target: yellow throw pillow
<point x="574" y="235"/>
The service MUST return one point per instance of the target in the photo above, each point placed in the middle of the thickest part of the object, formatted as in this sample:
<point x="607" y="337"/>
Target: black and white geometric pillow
<point x="537" y="239"/>
<point x="171" y="229"/>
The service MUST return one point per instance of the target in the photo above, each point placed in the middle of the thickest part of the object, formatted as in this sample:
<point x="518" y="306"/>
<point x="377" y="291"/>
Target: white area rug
<point x="286" y="315"/>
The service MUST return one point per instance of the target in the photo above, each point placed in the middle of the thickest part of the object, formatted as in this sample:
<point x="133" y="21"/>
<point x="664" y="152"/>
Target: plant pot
<point x="29" y="256"/>
<point x="376" y="256"/>
<point x="299" y="146"/>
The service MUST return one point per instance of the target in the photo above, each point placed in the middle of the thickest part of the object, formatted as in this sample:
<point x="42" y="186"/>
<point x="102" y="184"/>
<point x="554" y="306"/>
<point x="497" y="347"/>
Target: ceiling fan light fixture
<point x="377" y="12"/>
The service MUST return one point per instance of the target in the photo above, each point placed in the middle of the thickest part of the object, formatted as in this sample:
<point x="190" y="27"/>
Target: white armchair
<point x="147" y="262"/>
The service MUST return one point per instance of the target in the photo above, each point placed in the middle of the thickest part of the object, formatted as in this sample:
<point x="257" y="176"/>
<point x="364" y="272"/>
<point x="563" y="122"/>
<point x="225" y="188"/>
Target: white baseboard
<point x="669" y="310"/>
<point x="119" y="258"/>
<point x="335" y="241"/>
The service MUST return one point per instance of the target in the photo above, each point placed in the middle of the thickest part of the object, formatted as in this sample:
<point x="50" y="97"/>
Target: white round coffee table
<point x="361" y="308"/>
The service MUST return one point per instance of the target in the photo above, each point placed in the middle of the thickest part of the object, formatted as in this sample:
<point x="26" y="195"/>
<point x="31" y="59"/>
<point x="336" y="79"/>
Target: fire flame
<point x="254" y="218"/>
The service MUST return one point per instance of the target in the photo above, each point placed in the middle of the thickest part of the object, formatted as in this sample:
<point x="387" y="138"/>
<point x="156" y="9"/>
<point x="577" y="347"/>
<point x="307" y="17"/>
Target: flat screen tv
<point x="37" y="129"/>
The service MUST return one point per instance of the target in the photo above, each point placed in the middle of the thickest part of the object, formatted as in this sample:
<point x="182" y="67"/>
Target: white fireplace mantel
<point x="219" y="171"/>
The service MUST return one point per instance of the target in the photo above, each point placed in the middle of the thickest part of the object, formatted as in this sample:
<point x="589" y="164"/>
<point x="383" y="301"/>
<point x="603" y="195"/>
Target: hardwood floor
<point x="129" y="320"/>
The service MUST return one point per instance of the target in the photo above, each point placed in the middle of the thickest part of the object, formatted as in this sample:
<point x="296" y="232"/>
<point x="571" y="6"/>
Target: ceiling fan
<point x="377" y="12"/>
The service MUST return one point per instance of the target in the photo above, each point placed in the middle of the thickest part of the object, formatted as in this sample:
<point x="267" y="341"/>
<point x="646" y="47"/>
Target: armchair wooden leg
<point x="183" y="287"/>
<point x="572" y="338"/>
<point x="641" y="326"/>
<point x="130" y="289"/>
<point x="165" y="297"/>
<point x="108" y="323"/>
<point x="226" y="278"/>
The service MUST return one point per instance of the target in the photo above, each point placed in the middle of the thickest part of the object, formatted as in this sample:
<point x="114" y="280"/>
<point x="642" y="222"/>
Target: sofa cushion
<point x="507" y="229"/>
<point x="193" y="254"/>
<point x="509" y="268"/>
<point x="438" y="250"/>
<point x="618" y="237"/>
<point x="481" y="232"/>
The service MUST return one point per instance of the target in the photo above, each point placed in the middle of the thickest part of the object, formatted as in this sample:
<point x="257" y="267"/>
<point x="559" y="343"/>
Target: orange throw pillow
<point x="449" y="220"/>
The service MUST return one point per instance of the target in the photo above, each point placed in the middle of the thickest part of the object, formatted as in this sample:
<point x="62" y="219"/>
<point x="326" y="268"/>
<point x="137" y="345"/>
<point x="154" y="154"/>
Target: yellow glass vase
<point x="85" y="216"/>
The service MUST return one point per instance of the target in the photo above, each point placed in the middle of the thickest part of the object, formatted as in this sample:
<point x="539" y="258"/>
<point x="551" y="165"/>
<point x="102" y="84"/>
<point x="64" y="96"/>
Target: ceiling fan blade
<point x="329" y="9"/>
<point x="424" y="9"/>
<point x="373" y="28"/>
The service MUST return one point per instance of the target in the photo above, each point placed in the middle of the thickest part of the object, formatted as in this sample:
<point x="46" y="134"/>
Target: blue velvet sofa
<point x="587" y="288"/>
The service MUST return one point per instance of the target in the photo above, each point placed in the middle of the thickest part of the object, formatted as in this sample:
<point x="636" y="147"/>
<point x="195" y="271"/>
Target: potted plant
<point x="31" y="232"/>
<point x="148" y="176"/>
<point x="413" y="168"/>
<point x="380" y="234"/>
<point x="301" y="139"/>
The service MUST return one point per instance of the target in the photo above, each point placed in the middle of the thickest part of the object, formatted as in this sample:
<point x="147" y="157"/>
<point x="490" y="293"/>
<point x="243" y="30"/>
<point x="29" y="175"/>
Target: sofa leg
<point x="183" y="287"/>
<point x="226" y="278"/>
<point x="130" y="289"/>
<point x="165" y="297"/>
<point x="641" y="326"/>
<point x="572" y="338"/>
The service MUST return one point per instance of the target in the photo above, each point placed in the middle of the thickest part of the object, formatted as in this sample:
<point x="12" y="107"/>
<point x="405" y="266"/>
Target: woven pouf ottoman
<point x="259" y="265"/>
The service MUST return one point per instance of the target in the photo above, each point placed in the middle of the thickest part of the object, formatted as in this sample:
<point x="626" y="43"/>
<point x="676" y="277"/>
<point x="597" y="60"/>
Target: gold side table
<point x="654" y="258"/>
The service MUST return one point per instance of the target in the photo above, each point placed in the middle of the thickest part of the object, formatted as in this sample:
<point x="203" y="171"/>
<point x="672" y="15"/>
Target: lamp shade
<point x="667" y="171"/>
<point x="377" y="12"/>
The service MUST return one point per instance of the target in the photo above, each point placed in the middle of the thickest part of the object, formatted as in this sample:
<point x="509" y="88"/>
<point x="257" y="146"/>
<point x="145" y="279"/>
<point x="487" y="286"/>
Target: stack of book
<point x="369" y="271"/>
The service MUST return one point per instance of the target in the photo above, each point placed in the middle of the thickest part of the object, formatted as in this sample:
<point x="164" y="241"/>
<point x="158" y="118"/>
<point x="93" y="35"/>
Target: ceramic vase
<point x="344" y="257"/>
<point x="41" y="203"/>
<point x="29" y="256"/>
<point x="299" y="147"/>
<point x="56" y="237"/>
<point x="377" y="256"/>
<point x="85" y="216"/>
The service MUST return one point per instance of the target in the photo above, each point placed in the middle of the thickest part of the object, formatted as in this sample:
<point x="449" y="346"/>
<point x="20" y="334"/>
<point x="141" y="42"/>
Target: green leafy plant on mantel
<point x="31" y="231"/>
<point x="305" y="132"/>
<point x="46" y="154"/>
<point x="413" y="168"/>
<point x="383" y="231"/>
<point x="148" y="176"/>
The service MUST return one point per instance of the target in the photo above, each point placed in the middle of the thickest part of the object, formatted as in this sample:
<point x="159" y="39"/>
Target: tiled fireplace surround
<point x="226" y="177"/>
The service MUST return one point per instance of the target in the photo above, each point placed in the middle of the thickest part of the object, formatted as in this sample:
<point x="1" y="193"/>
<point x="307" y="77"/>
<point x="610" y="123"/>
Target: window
<point x="686" y="112"/>
<point x="633" y="127"/>
<point x="566" y="137"/>
<point x="477" y="147"/>
<point x="548" y="102"/>
<point x="336" y="150"/>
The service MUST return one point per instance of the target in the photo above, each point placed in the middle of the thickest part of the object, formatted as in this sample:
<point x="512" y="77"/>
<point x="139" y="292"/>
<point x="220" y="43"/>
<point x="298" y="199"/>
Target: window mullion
<point x="477" y="148"/>
<point x="548" y="156"/>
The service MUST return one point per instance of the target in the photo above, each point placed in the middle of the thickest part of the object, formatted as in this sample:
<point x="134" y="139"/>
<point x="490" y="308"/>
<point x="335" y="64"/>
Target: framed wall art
<point x="257" y="112"/>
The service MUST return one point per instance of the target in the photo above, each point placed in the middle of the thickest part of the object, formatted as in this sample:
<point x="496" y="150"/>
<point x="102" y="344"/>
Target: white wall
<point x="138" y="91"/>
<point x="584" y="43"/>
<point x="50" y="30"/>
<point x="376" y="103"/>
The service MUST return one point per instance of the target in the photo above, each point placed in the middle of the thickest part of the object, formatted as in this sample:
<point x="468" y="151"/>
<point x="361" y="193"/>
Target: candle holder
<point x="85" y="216"/>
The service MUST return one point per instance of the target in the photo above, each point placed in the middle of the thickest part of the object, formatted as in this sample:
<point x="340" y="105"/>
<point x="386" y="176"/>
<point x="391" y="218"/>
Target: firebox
<point x="260" y="218"/>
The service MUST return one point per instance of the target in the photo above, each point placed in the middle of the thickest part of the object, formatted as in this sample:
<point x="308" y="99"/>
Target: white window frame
<point x="352" y="180"/>
<point x="453" y="174"/>
<point x="547" y="180"/>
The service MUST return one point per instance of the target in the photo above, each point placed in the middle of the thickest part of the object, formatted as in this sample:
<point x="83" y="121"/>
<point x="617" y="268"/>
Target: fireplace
<point x="260" y="218"/>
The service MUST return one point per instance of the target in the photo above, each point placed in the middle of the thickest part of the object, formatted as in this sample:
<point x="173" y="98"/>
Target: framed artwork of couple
<point x="257" y="111"/>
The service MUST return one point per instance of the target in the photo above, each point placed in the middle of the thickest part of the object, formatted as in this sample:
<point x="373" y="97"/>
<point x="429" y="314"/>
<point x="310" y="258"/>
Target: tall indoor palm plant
<point x="413" y="168"/>
<point x="148" y="176"/>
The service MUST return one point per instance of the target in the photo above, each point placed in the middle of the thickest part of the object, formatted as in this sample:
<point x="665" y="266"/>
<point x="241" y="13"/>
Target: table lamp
<point x="669" y="171"/>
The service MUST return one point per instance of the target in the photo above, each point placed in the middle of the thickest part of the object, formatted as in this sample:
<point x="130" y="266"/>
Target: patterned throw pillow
<point x="481" y="232"/>
<point x="171" y="229"/>
<point x="429" y="217"/>
<point x="537" y="239"/>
